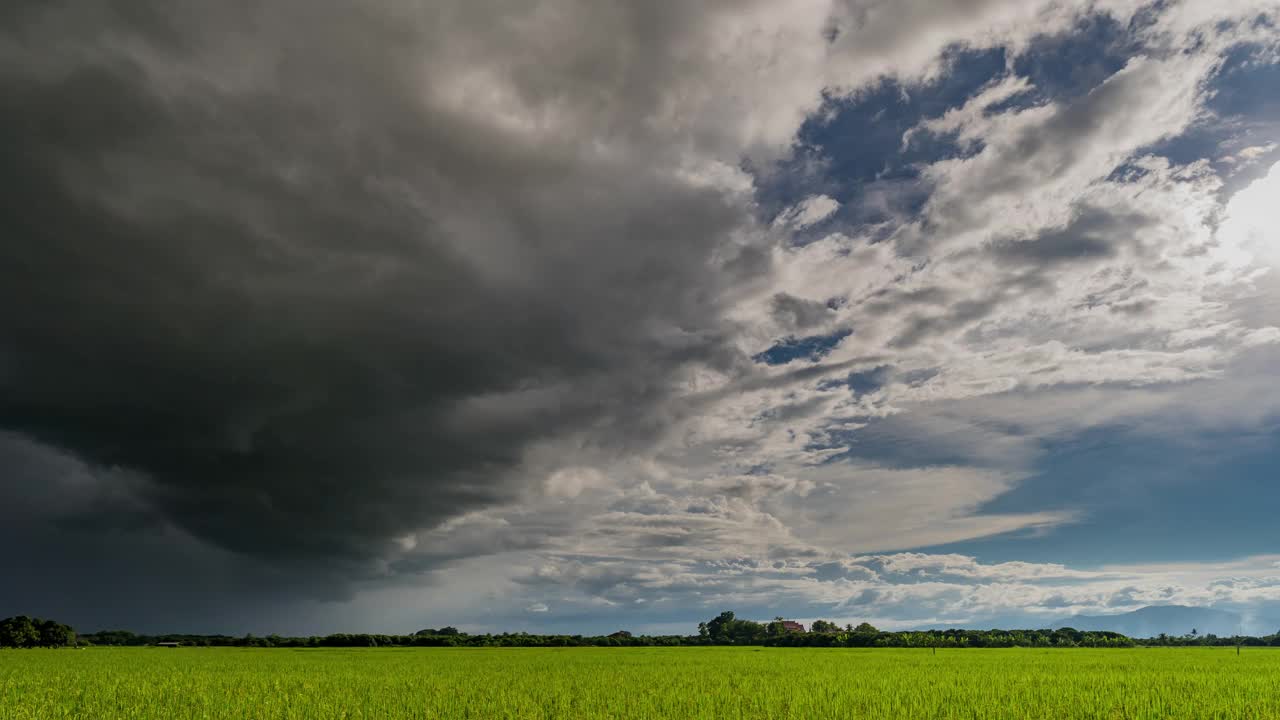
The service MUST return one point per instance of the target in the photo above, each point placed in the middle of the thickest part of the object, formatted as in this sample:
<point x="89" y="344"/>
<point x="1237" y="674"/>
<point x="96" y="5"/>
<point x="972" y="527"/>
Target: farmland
<point x="111" y="683"/>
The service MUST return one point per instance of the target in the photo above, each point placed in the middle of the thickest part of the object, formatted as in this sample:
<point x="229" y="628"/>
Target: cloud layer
<point x="328" y="300"/>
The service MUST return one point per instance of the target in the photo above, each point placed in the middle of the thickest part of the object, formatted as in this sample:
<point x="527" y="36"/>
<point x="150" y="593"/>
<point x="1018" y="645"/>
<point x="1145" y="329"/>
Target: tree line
<point x="727" y="629"/>
<point x="1194" y="639"/>
<point x="25" y="632"/>
<point x="724" y="629"/>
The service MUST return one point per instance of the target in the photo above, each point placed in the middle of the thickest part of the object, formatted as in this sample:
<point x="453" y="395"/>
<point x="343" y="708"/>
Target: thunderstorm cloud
<point x="335" y="315"/>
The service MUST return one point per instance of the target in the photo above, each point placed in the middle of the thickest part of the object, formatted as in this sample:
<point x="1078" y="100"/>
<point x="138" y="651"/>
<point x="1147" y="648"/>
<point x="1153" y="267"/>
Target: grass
<point x="586" y="683"/>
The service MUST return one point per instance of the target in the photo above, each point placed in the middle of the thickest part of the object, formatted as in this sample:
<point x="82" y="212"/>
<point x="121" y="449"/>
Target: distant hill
<point x="1155" y="619"/>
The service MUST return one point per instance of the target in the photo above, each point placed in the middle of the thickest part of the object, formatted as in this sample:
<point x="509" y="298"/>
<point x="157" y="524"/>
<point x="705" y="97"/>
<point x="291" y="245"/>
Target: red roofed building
<point x="792" y="626"/>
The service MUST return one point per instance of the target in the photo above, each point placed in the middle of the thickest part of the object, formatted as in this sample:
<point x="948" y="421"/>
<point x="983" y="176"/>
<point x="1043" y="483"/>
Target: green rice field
<point x="584" y="683"/>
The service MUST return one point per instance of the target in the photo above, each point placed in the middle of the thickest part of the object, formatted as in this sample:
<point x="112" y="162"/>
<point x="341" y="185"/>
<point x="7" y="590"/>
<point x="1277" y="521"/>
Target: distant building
<point x="792" y="626"/>
<point x="620" y="634"/>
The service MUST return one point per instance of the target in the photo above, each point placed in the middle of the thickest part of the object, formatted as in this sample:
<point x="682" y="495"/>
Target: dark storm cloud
<point x="80" y="545"/>
<point x="793" y="312"/>
<point x="890" y="299"/>
<point x="252" y="264"/>
<point x="1093" y="234"/>
<point x="960" y="315"/>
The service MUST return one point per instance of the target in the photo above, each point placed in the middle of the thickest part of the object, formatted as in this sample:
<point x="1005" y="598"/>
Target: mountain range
<point x="1156" y="619"/>
<point x="1144" y="622"/>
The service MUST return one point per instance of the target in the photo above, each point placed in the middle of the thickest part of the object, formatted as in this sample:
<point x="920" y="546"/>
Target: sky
<point x="571" y="316"/>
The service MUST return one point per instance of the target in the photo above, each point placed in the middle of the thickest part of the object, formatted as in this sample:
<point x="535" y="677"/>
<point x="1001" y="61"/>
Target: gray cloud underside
<point x="315" y="307"/>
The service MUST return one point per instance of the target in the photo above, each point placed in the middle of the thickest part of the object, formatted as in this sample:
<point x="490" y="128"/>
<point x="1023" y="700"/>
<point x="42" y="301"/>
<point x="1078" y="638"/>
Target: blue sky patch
<point x="864" y="382"/>
<point x="1144" y="499"/>
<point x="812" y="348"/>
<point x="855" y="144"/>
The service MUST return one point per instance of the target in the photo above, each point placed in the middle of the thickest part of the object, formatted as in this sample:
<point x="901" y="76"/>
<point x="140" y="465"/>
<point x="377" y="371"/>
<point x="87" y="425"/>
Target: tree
<point x="727" y="629"/>
<point x="18" y="632"/>
<point x="446" y="630"/>
<point x="25" y="632"/>
<point x="718" y="627"/>
<point x="866" y="627"/>
<point x="55" y="634"/>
